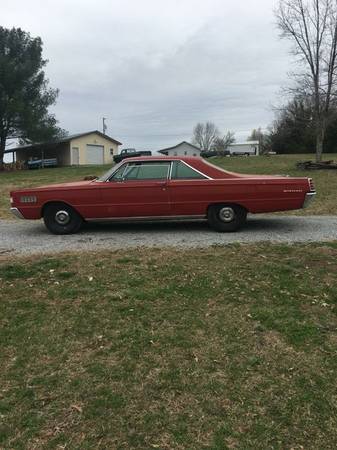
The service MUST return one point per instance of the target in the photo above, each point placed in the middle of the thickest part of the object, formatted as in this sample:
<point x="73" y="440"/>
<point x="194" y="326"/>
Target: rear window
<point x="181" y="171"/>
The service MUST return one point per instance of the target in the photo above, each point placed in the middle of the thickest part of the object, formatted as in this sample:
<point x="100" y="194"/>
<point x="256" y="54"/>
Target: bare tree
<point x="221" y="144"/>
<point x="311" y="25"/>
<point x="263" y="138"/>
<point x="204" y="135"/>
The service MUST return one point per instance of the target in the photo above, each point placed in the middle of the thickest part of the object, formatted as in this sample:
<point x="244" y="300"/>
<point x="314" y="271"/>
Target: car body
<point x="151" y="188"/>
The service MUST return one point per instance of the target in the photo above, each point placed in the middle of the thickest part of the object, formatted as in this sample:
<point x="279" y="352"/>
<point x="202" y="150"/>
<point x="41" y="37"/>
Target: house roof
<point x="65" y="139"/>
<point x="244" y="143"/>
<point x="178" y="145"/>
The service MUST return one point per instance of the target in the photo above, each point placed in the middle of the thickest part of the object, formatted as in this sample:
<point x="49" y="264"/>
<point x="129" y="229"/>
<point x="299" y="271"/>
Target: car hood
<point x="74" y="184"/>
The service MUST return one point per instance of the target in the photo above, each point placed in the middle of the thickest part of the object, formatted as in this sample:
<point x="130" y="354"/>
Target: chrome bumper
<point x="308" y="199"/>
<point x="17" y="213"/>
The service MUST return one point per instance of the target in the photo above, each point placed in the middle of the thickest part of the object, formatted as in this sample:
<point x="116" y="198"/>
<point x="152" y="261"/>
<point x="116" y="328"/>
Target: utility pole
<point x="104" y="125"/>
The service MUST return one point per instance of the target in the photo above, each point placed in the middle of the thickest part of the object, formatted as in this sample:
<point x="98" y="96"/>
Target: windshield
<point x="108" y="174"/>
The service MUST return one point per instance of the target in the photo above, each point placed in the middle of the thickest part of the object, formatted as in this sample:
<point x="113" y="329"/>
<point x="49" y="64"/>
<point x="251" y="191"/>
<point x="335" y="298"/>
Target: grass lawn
<point x="325" y="181"/>
<point x="229" y="348"/>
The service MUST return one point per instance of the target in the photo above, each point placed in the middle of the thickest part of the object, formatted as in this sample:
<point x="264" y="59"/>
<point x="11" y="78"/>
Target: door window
<point x="181" y="171"/>
<point x="146" y="171"/>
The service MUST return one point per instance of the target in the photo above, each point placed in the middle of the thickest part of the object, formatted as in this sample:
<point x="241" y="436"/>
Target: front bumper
<point x="309" y="197"/>
<point x="17" y="213"/>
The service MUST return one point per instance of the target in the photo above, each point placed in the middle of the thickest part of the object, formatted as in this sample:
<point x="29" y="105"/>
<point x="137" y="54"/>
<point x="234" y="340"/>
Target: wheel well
<point x="227" y="204"/>
<point x="57" y="203"/>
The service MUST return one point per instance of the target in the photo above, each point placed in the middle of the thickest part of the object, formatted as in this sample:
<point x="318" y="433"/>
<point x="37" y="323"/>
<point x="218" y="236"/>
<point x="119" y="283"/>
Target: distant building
<point x="186" y="149"/>
<point x="244" y="148"/>
<point x="182" y="149"/>
<point x="92" y="147"/>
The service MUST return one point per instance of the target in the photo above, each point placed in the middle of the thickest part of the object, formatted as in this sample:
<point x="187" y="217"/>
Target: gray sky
<point x="156" y="67"/>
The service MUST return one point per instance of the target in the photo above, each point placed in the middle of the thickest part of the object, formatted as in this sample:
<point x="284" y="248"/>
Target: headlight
<point x="11" y="200"/>
<point x="28" y="199"/>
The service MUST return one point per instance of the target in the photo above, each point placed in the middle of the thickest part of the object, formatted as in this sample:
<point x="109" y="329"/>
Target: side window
<point x="182" y="172"/>
<point x="147" y="171"/>
<point x="118" y="175"/>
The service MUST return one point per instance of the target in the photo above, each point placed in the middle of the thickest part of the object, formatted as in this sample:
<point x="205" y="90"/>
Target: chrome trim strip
<point x="17" y="213"/>
<point x="144" y="218"/>
<point x="122" y="163"/>
<point x="171" y="168"/>
<point x="309" y="197"/>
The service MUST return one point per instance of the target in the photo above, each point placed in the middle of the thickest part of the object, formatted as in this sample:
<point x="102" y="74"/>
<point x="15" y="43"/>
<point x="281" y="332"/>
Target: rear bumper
<point x="17" y="213"/>
<point x="309" y="197"/>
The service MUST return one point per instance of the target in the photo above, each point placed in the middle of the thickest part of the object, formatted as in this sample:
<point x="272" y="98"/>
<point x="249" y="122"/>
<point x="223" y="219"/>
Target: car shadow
<point x="253" y="224"/>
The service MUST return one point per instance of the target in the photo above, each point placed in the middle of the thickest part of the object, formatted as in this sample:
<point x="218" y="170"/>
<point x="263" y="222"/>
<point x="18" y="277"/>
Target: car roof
<point x="163" y="158"/>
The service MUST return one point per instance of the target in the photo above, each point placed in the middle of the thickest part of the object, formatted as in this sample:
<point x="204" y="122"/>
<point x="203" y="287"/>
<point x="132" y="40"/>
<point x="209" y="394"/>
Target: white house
<point x="244" y="148"/>
<point x="182" y="149"/>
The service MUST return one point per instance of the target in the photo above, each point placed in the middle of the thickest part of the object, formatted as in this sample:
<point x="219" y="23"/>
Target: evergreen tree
<point x="24" y="92"/>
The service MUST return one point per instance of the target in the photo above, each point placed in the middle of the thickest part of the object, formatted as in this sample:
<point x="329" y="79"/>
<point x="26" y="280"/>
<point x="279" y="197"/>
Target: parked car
<point x="130" y="153"/>
<point x="41" y="163"/>
<point x="169" y="188"/>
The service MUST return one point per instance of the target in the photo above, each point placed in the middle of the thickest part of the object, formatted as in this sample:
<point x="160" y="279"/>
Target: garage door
<point x="95" y="154"/>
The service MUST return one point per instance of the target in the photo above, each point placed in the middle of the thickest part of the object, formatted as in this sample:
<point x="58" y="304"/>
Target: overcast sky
<point x="155" y="68"/>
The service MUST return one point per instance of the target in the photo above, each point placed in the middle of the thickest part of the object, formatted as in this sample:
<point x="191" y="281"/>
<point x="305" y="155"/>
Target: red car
<point x="165" y="188"/>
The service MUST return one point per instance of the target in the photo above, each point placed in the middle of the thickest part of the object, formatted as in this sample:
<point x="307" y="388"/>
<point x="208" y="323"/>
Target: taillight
<point x="311" y="185"/>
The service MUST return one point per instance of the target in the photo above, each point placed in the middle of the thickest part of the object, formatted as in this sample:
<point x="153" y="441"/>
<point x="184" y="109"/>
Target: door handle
<point x="162" y="184"/>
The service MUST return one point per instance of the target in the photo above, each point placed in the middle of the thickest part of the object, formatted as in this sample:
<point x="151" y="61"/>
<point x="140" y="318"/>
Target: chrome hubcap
<point x="226" y="214"/>
<point x="62" y="217"/>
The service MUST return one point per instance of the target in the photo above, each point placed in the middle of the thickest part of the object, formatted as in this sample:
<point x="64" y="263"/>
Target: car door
<point x="189" y="190"/>
<point x="137" y="189"/>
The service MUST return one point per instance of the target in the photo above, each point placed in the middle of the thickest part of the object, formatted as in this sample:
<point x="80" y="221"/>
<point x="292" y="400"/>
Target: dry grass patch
<point x="219" y="348"/>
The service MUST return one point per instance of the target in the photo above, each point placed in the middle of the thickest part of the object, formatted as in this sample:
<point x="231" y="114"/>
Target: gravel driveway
<point x="31" y="237"/>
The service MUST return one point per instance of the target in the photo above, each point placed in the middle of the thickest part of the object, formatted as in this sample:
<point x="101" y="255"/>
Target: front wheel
<point x="226" y="217"/>
<point x="61" y="219"/>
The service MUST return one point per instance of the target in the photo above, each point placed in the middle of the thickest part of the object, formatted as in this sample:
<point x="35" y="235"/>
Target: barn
<point x="92" y="147"/>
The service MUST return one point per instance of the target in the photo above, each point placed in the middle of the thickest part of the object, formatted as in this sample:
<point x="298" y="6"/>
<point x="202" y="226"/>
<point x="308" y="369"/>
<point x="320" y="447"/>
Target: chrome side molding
<point x="145" y="218"/>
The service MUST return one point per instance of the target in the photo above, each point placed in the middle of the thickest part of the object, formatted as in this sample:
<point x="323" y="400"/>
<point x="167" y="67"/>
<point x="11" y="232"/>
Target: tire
<point x="60" y="218"/>
<point x="226" y="218"/>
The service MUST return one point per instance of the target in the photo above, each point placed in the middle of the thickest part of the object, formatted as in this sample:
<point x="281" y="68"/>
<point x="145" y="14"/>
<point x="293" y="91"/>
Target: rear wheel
<point x="226" y="217"/>
<point x="60" y="218"/>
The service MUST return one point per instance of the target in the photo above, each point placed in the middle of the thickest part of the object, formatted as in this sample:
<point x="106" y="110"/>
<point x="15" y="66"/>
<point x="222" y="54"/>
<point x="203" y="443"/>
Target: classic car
<point x="164" y="188"/>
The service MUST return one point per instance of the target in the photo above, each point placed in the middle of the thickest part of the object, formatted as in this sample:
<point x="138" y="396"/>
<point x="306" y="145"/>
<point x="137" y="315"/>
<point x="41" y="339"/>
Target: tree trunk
<point x="319" y="143"/>
<point x="2" y="152"/>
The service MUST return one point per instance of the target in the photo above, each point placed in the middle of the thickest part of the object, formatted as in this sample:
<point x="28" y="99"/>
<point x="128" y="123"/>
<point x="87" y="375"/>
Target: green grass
<point x="325" y="181"/>
<point x="230" y="347"/>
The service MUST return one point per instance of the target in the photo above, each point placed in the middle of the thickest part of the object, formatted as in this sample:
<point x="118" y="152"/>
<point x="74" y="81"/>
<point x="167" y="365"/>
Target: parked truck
<point x="130" y="153"/>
